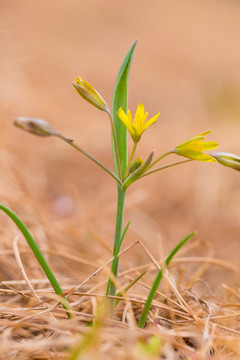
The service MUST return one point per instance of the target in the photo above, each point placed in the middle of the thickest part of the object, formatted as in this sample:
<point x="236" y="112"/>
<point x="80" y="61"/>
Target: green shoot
<point x="38" y="254"/>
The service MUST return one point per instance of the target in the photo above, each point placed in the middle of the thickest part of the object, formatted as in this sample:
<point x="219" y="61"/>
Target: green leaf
<point x="120" y="98"/>
<point x="38" y="254"/>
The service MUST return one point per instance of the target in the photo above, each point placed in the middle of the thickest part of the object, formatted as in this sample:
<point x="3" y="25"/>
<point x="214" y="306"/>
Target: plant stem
<point x="114" y="262"/>
<point x="160" y="158"/>
<point x="91" y="158"/>
<point x="165" y="167"/>
<point x="115" y="146"/>
<point x="130" y="160"/>
<point x="118" y="235"/>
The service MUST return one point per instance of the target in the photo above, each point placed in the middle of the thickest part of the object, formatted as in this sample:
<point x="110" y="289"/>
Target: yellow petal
<point x="140" y="110"/>
<point x="139" y="119"/>
<point x="208" y="145"/>
<point x="129" y="116"/>
<point x="151" y="121"/>
<point x="125" y="119"/>
<point x="202" y="157"/>
<point x="206" y="132"/>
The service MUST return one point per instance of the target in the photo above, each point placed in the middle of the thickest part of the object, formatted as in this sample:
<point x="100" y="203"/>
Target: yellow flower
<point x="138" y="125"/>
<point x="194" y="147"/>
<point x="90" y="94"/>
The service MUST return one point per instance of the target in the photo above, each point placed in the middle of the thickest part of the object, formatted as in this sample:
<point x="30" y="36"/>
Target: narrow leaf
<point x="38" y="254"/>
<point x="120" y="99"/>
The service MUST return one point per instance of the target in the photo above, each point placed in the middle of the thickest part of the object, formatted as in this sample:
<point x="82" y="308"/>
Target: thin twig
<point x="20" y="264"/>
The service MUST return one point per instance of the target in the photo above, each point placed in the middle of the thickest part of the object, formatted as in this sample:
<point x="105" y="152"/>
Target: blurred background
<point x="186" y="65"/>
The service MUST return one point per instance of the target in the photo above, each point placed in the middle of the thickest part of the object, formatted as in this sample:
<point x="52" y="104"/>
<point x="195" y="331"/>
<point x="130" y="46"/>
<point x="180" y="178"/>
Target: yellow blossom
<point x="194" y="147"/>
<point x="90" y="94"/>
<point x="139" y="124"/>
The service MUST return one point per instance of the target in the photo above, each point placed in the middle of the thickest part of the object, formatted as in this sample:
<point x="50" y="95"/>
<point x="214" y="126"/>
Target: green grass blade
<point x="159" y="278"/>
<point x="120" y="98"/>
<point x="178" y="247"/>
<point x="38" y="254"/>
<point x="128" y="286"/>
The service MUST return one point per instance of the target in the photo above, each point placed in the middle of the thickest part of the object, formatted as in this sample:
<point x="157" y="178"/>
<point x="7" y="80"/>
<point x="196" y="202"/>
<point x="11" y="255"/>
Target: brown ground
<point x="186" y="65"/>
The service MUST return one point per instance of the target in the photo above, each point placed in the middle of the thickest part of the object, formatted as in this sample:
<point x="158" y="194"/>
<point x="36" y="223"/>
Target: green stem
<point x="38" y="254"/>
<point x="115" y="146"/>
<point x="118" y="235"/>
<point x="90" y="157"/>
<point x="160" y="158"/>
<point x="114" y="262"/>
<point x="159" y="278"/>
<point x="165" y="167"/>
<point x="130" y="160"/>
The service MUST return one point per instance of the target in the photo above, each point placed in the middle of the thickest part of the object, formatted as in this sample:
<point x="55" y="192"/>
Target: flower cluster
<point x="192" y="149"/>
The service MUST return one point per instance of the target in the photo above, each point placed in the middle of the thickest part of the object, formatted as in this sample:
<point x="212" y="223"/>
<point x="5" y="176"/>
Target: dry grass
<point x="189" y="319"/>
<point x="34" y="326"/>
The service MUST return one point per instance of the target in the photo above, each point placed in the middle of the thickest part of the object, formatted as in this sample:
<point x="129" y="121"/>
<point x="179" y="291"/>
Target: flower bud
<point x="135" y="165"/>
<point x="38" y="127"/>
<point x="139" y="171"/>
<point x="228" y="159"/>
<point x="90" y="94"/>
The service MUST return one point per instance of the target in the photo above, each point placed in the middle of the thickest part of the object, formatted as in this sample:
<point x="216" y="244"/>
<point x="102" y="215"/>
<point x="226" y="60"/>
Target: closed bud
<point x="139" y="171"/>
<point x="135" y="165"/>
<point x="38" y="127"/>
<point x="228" y="159"/>
<point x="90" y="94"/>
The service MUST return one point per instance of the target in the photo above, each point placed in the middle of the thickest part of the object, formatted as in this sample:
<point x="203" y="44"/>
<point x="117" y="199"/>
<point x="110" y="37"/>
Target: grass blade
<point x="120" y="98"/>
<point x="159" y="278"/>
<point x="126" y="288"/>
<point x="38" y="254"/>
